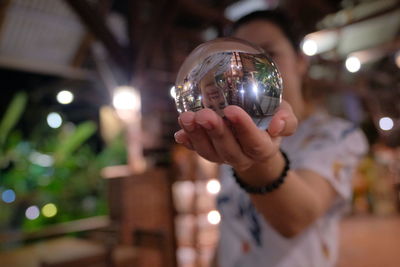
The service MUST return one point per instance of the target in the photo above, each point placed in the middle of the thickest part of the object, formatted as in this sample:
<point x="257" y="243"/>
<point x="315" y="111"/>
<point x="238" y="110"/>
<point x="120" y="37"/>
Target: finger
<point x="182" y="138"/>
<point x="284" y="122"/>
<point x="222" y="138"/>
<point x="198" y="137"/>
<point x="255" y="143"/>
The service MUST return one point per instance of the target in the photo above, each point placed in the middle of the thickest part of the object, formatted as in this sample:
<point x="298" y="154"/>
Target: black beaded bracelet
<point x="266" y="188"/>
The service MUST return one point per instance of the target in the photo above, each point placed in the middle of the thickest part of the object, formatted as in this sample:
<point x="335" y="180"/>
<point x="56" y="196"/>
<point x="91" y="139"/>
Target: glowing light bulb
<point x="353" y="64"/>
<point x="386" y="123"/>
<point x="214" y="217"/>
<point x="309" y="47"/>
<point x="49" y="210"/>
<point x="213" y="186"/>
<point x="65" y="97"/>
<point x="126" y="98"/>
<point x="54" y="120"/>
<point x="32" y="212"/>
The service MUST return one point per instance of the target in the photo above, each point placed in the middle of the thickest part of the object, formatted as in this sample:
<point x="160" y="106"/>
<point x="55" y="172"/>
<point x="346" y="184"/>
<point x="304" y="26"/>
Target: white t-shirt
<point x="327" y="145"/>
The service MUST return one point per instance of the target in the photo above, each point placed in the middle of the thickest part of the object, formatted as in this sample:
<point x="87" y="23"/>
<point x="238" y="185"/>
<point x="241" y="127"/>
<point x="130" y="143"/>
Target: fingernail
<point x="177" y="137"/>
<point x="281" y="126"/>
<point x="205" y="124"/>
<point x="278" y="129"/>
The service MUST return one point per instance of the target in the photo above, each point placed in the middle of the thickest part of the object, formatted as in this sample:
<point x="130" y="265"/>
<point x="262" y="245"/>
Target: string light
<point x="65" y="97"/>
<point x="49" y="210"/>
<point x="213" y="186"/>
<point x="353" y="64"/>
<point x="8" y="196"/>
<point x="54" y="120"/>
<point x="386" y="123"/>
<point x="309" y="47"/>
<point x="214" y="217"/>
<point x="32" y="212"/>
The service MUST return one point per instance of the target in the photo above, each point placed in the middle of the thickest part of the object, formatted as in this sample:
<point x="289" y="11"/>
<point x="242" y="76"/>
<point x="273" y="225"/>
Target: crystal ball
<point x="229" y="71"/>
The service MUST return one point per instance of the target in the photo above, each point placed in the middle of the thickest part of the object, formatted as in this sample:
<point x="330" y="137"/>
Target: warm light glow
<point x="32" y="212"/>
<point x="8" y="196"/>
<point x="353" y="64"/>
<point x="213" y="186"/>
<point x="309" y="47"/>
<point x="397" y="59"/>
<point x="386" y="123"/>
<point x="214" y="217"/>
<point x="54" y="120"/>
<point x="49" y="210"/>
<point x="172" y="92"/>
<point x="65" y="97"/>
<point x="126" y="98"/>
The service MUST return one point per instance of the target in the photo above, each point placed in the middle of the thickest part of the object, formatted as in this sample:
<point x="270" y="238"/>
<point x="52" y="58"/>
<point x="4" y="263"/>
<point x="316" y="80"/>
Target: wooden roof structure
<point x="143" y="43"/>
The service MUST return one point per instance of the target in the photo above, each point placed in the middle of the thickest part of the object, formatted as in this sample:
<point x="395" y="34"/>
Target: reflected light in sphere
<point x="49" y="210"/>
<point x="353" y="64"/>
<point x="8" y="196"/>
<point x="65" y="97"/>
<point x="386" y="123"/>
<point x="126" y="98"/>
<point x="309" y="47"/>
<point x="214" y="217"/>
<point x="32" y="212"/>
<point x="213" y="186"/>
<point x="54" y="120"/>
<point x="172" y="92"/>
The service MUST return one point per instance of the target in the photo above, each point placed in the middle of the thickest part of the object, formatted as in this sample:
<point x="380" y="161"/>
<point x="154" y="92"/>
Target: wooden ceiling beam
<point x="205" y="13"/>
<point x="93" y="19"/>
<point x="3" y="10"/>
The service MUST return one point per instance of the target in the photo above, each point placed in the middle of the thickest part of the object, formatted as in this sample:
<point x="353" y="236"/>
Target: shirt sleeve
<point x="334" y="154"/>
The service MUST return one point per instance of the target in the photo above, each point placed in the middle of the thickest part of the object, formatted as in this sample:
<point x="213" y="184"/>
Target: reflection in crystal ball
<point x="229" y="71"/>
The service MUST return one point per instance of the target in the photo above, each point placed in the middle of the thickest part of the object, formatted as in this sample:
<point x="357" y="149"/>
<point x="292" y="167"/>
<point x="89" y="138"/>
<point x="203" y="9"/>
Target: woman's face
<point x="291" y="64"/>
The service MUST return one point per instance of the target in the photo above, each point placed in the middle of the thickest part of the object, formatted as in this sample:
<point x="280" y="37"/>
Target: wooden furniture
<point x="142" y="206"/>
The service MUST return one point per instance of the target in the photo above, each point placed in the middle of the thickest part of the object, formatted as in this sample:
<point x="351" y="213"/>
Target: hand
<point x="236" y="140"/>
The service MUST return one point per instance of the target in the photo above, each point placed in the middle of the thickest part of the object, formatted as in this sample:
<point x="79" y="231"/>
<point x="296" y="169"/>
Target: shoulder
<point x="324" y="130"/>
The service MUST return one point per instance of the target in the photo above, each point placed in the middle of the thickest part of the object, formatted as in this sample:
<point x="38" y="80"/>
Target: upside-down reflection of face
<point x="291" y="64"/>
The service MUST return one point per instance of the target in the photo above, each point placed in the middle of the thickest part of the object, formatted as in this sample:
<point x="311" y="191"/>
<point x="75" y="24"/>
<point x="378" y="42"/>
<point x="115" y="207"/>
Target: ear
<point x="303" y="62"/>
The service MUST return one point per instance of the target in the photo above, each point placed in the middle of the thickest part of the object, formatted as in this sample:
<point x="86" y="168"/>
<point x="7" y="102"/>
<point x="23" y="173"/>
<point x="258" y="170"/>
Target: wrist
<point x="265" y="172"/>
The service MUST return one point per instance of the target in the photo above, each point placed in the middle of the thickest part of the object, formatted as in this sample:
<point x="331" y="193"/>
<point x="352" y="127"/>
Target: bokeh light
<point x="172" y="92"/>
<point x="309" y="47"/>
<point x="214" y="217"/>
<point x="8" y="196"/>
<point x="54" y="120"/>
<point x="353" y="64"/>
<point x="65" y="97"/>
<point x="49" y="210"/>
<point x="213" y="186"/>
<point x="32" y="212"/>
<point x="126" y="98"/>
<point x="386" y="123"/>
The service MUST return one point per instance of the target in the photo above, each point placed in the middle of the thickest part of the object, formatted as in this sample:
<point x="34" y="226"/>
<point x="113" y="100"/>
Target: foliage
<point x="51" y="166"/>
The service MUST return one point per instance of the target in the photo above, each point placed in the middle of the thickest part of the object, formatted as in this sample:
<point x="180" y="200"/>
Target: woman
<point x="272" y="215"/>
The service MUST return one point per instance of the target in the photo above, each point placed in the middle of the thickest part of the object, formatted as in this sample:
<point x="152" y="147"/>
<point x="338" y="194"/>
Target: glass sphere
<point x="229" y="71"/>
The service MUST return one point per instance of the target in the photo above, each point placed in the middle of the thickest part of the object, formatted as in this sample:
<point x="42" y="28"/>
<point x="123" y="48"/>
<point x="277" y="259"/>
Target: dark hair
<point x="277" y="17"/>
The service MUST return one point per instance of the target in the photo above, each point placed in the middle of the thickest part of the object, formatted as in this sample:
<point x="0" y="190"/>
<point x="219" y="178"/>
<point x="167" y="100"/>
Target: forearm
<point x="296" y="203"/>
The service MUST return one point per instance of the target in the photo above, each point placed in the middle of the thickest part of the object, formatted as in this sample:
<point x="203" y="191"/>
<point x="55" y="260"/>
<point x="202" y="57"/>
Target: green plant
<point x="55" y="166"/>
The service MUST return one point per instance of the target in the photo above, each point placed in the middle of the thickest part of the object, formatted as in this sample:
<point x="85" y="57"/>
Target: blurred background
<point x="89" y="171"/>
